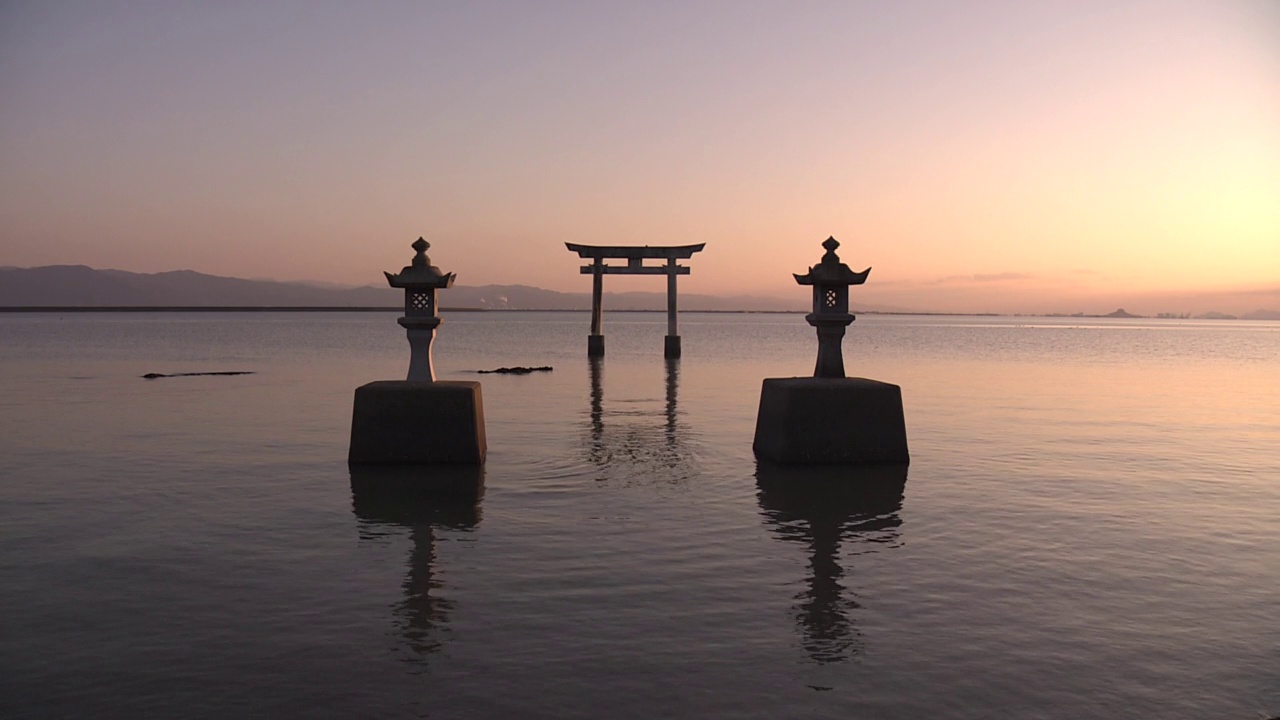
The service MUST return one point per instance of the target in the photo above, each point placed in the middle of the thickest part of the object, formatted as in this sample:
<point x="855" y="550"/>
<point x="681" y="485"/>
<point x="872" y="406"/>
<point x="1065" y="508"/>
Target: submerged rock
<point x="518" y="370"/>
<point x="153" y="376"/>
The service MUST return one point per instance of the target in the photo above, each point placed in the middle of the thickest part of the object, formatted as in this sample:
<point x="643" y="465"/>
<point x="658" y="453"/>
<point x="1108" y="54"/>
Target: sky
<point x="980" y="156"/>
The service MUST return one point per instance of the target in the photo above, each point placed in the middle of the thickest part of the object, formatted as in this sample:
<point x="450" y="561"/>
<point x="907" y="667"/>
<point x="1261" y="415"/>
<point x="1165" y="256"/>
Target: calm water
<point x="1088" y="527"/>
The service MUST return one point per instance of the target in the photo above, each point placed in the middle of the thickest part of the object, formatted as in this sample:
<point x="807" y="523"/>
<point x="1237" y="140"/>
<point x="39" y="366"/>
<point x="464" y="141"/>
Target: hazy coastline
<point x="1261" y="315"/>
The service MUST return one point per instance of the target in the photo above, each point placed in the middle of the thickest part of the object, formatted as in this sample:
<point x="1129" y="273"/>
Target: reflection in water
<point x="672" y="385"/>
<point x="823" y="506"/>
<point x="423" y="499"/>
<point x="597" y="408"/>
<point x="638" y="442"/>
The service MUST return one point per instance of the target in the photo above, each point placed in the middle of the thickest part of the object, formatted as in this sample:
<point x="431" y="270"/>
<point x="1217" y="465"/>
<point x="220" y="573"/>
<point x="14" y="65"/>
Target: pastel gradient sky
<point x="980" y="156"/>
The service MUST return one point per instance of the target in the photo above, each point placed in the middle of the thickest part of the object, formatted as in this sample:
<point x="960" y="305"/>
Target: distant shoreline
<point x="205" y="308"/>
<point x="309" y="308"/>
<point x="346" y="308"/>
<point x="389" y="309"/>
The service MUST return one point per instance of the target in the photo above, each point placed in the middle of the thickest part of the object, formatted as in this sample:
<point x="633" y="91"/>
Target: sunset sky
<point x="980" y="156"/>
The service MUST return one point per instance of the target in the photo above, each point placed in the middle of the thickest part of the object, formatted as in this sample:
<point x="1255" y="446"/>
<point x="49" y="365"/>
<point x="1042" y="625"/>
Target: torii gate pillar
<point x="635" y="256"/>
<point x="671" y="343"/>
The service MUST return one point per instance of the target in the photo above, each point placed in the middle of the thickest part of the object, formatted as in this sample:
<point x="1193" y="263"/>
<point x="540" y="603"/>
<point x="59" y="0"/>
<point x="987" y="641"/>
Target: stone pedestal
<point x="851" y="421"/>
<point x="403" y="422"/>
<point x="417" y="494"/>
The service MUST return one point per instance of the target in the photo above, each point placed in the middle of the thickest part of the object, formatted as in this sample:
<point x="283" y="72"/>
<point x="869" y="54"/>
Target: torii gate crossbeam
<point x="635" y="255"/>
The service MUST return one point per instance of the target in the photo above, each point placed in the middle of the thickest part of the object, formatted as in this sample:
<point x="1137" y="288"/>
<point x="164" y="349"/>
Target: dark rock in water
<point x="518" y="370"/>
<point x="153" y="376"/>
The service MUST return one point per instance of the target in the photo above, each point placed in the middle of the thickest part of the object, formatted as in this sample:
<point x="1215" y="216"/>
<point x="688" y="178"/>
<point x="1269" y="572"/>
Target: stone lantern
<point x="830" y="280"/>
<point x="830" y="418"/>
<point x="420" y="280"/>
<point x="419" y="420"/>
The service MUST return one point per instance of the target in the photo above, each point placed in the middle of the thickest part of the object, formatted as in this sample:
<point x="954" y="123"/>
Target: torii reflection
<point x="424" y="500"/>
<point x="643" y="440"/>
<point x="823" y="507"/>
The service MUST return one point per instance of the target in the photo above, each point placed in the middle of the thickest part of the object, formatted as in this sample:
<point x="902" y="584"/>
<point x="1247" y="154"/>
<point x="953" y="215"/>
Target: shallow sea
<point x="1087" y="529"/>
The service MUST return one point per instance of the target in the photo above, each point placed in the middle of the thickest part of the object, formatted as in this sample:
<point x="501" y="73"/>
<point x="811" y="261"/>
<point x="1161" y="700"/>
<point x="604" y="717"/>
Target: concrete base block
<point x="595" y="346"/>
<point x="404" y="422"/>
<point x="832" y="494"/>
<point x="413" y="493"/>
<point x="851" y="421"/>
<point x="671" y="347"/>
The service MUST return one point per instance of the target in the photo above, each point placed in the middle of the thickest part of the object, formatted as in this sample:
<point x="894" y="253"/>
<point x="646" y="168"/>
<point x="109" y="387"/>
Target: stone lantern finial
<point x="420" y="258"/>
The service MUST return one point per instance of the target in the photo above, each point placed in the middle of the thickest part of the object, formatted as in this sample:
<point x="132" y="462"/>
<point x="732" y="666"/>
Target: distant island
<point x="1259" y="314"/>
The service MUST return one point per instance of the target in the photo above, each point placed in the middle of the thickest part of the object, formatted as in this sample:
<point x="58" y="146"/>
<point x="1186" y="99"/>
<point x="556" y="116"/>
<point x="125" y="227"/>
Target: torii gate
<point x="635" y="256"/>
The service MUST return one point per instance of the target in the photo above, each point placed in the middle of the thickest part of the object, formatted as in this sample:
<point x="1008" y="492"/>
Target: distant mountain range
<point x="81" y="286"/>
<point x="78" y="286"/>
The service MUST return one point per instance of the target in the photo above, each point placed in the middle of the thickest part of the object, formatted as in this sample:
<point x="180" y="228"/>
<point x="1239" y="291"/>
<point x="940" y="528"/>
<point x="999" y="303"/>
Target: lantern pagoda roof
<point x="420" y="273"/>
<point x="831" y="271"/>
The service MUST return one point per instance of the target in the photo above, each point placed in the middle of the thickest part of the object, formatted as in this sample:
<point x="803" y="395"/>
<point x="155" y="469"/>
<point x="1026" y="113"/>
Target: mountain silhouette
<point x="82" y="286"/>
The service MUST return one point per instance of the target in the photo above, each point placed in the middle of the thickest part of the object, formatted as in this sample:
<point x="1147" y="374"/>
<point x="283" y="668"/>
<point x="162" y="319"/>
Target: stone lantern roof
<point x="831" y="271"/>
<point x="421" y="273"/>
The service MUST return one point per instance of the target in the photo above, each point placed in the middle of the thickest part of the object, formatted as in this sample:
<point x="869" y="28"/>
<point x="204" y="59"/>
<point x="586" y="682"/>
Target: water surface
<point x="1087" y="528"/>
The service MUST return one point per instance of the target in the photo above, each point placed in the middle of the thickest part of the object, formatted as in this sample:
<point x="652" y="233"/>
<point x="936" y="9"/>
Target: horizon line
<point x="359" y="308"/>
